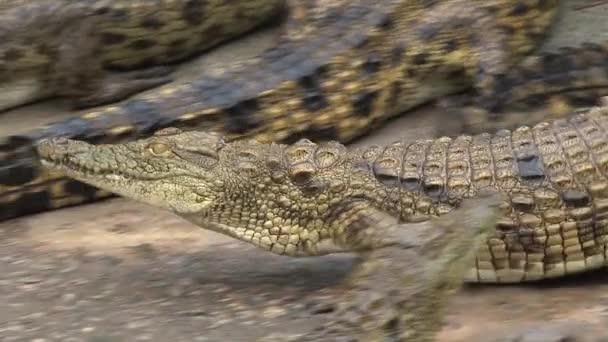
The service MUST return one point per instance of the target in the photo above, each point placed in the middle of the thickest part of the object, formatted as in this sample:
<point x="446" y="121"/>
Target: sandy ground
<point x="122" y="271"/>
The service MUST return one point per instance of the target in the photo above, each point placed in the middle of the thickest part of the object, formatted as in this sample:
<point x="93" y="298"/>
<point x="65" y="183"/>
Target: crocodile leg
<point x="407" y="273"/>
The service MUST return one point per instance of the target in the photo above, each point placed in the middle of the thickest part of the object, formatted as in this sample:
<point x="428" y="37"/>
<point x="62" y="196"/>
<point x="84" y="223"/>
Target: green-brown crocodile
<point x="293" y="199"/>
<point x="338" y="69"/>
<point x="78" y="48"/>
<point x="308" y="199"/>
<point x="408" y="269"/>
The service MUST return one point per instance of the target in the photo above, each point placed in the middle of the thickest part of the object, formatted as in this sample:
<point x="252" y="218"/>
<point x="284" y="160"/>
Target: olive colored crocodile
<point x="70" y="48"/>
<point x="265" y="194"/>
<point x="339" y="69"/>
<point x="295" y="199"/>
<point x="308" y="199"/>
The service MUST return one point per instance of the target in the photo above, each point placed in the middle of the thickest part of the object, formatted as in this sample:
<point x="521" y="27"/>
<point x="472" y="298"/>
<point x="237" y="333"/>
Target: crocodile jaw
<point x="97" y="165"/>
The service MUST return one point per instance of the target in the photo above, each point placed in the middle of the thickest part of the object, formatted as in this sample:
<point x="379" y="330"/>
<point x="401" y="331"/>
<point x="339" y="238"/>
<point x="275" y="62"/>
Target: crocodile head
<point x="285" y="198"/>
<point x="275" y="196"/>
<point x="179" y="171"/>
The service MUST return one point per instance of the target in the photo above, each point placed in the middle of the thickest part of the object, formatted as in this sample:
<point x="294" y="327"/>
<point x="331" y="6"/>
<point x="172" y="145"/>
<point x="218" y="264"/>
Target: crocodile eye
<point x="159" y="148"/>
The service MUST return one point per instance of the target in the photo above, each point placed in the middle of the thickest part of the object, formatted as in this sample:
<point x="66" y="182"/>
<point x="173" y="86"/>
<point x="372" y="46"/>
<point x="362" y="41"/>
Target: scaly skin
<point x="68" y="48"/>
<point x="308" y="199"/>
<point x="339" y="69"/>
<point x="267" y="195"/>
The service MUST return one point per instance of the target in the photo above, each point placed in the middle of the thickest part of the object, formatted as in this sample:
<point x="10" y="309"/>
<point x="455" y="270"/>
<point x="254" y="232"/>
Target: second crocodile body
<point x="101" y="51"/>
<point x="338" y="70"/>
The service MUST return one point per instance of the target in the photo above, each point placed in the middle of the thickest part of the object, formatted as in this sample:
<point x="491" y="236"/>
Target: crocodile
<point x="338" y="70"/>
<point x="211" y="186"/>
<point x="101" y="51"/>
<point x="294" y="199"/>
<point x="309" y="199"/>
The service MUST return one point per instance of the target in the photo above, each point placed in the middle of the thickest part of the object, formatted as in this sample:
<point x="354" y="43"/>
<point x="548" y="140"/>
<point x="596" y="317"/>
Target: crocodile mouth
<point x="77" y="159"/>
<point x="72" y="168"/>
<point x="74" y="158"/>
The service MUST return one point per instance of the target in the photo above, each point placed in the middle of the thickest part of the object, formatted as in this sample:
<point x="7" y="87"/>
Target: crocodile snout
<point x="56" y="148"/>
